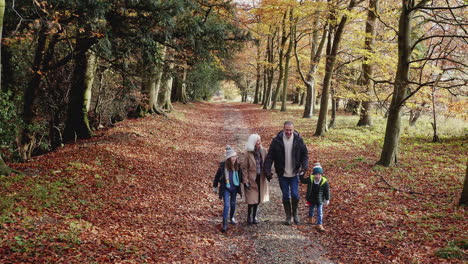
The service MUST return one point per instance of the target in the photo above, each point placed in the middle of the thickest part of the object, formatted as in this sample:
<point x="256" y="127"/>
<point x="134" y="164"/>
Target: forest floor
<point x="140" y="192"/>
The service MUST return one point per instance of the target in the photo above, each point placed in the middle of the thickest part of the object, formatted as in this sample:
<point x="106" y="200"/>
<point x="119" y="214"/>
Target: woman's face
<point x="258" y="143"/>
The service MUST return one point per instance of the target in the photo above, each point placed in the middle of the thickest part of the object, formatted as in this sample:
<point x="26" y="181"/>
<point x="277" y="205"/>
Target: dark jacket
<point x="220" y="179"/>
<point x="323" y="192"/>
<point x="300" y="157"/>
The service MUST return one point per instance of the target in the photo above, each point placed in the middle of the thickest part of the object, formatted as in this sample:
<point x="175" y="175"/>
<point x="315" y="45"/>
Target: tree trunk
<point x="258" y="79"/>
<point x="183" y="88"/>
<point x="152" y="82"/>
<point x="90" y="74"/>
<point x="77" y="125"/>
<point x="329" y="66"/>
<point x="166" y="103"/>
<point x="414" y="115"/>
<point x="2" y="13"/>
<point x="365" y="118"/>
<point x="4" y="169"/>
<point x="270" y="70"/>
<point x="292" y="37"/>
<point x="316" y="49"/>
<point x="303" y="95"/>
<point x="333" y="112"/>
<point x="297" y="96"/>
<point x="435" y="138"/>
<point x="388" y="156"/>
<point x="464" y="195"/>
<point x="284" y="38"/>
<point x="28" y="139"/>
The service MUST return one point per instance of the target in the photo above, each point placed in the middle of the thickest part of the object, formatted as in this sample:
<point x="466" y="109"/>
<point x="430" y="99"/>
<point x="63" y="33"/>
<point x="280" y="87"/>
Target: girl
<point x="228" y="177"/>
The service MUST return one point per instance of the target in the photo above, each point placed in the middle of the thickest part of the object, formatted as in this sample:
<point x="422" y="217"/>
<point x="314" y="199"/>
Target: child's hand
<point x="327" y="202"/>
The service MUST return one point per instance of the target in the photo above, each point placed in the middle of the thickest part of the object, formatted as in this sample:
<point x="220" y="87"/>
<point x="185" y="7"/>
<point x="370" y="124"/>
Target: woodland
<point x="103" y="104"/>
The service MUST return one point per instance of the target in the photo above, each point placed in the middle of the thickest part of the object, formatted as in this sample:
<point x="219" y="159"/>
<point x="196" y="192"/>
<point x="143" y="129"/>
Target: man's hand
<point x="268" y="176"/>
<point x="327" y="202"/>
<point x="215" y="189"/>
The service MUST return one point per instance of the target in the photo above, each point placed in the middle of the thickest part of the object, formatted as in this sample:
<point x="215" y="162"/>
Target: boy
<point x="318" y="194"/>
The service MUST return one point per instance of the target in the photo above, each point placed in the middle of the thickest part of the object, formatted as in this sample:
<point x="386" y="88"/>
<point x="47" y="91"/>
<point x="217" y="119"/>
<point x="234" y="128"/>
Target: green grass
<point x="454" y="250"/>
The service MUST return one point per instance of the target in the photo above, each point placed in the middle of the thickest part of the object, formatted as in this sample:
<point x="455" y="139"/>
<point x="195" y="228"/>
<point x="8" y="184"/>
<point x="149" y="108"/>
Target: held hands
<point x="215" y="190"/>
<point x="327" y="202"/>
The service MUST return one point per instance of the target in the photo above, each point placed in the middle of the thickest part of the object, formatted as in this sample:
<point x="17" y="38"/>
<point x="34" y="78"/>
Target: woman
<point x="228" y="177"/>
<point x="255" y="182"/>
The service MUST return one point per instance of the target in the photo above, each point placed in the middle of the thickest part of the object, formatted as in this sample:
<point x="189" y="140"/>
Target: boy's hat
<point x="317" y="169"/>
<point x="230" y="152"/>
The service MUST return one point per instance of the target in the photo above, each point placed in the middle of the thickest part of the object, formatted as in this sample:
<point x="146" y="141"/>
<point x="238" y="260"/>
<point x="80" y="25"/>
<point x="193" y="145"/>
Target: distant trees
<point x="416" y="51"/>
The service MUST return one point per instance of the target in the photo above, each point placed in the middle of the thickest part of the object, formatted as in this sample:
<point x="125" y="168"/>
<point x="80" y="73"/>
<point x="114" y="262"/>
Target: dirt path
<point x="273" y="241"/>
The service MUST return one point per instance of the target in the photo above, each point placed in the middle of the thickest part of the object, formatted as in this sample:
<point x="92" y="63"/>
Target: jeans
<point x="229" y="203"/>
<point x="319" y="212"/>
<point x="289" y="187"/>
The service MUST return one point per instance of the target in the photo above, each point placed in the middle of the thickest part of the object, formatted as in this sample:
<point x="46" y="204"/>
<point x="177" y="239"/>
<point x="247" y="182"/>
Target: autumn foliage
<point x="141" y="193"/>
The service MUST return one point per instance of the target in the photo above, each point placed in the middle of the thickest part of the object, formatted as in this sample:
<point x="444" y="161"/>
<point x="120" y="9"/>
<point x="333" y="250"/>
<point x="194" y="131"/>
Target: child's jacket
<point x="317" y="197"/>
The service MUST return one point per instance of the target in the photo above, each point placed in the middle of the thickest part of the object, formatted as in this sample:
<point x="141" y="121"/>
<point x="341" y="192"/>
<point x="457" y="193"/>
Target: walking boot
<point x="249" y="214"/>
<point x="225" y="225"/>
<point x="295" y="203"/>
<point x="287" y="210"/>
<point x="232" y="220"/>
<point x="254" y="214"/>
<point x="321" y="229"/>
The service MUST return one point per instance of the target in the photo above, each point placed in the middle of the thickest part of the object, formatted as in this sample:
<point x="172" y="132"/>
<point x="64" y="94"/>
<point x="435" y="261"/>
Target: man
<point x="289" y="154"/>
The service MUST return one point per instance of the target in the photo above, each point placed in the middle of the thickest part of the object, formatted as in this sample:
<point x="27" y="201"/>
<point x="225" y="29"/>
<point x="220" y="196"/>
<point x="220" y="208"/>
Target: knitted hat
<point x="230" y="152"/>
<point x="317" y="169"/>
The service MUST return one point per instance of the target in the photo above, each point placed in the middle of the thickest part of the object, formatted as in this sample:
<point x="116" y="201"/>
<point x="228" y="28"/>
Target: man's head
<point x="288" y="129"/>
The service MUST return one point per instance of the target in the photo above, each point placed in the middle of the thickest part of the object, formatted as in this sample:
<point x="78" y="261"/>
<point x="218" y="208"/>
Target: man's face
<point x="288" y="130"/>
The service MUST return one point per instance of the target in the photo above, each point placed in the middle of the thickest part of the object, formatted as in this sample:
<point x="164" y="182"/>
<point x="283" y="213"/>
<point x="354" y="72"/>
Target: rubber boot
<point x="254" y="214"/>
<point x="225" y="225"/>
<point x="295" y="203"/>
<point x="287" y="210"/>
<point x="249" y="214"/>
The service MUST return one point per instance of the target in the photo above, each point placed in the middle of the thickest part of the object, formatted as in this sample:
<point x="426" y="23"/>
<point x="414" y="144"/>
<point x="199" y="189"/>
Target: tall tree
<point x="287" y="56"/>
<point x="281" y="48"/>
<point x="4" y="169"/>
<point x="445" y="49"/>
<point x="365" y="118"/>
<point x="258" y="76"/>
<point x="77" y="124"/>
<point x="165" y="101"/>
<point x="332" y="50"/>
<point x="316" y="49"/>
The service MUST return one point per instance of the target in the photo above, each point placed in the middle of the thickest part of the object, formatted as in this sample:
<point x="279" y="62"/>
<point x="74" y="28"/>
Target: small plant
<point x="452" y="251"/>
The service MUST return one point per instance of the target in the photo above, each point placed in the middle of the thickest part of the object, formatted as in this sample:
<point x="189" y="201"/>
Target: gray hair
<point x="253" y="138"/>
<point x="288" y="123"/>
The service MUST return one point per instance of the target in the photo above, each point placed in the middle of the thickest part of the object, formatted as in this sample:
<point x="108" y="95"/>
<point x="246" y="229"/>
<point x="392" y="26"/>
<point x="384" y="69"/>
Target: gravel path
<point x="273" y="241"/>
